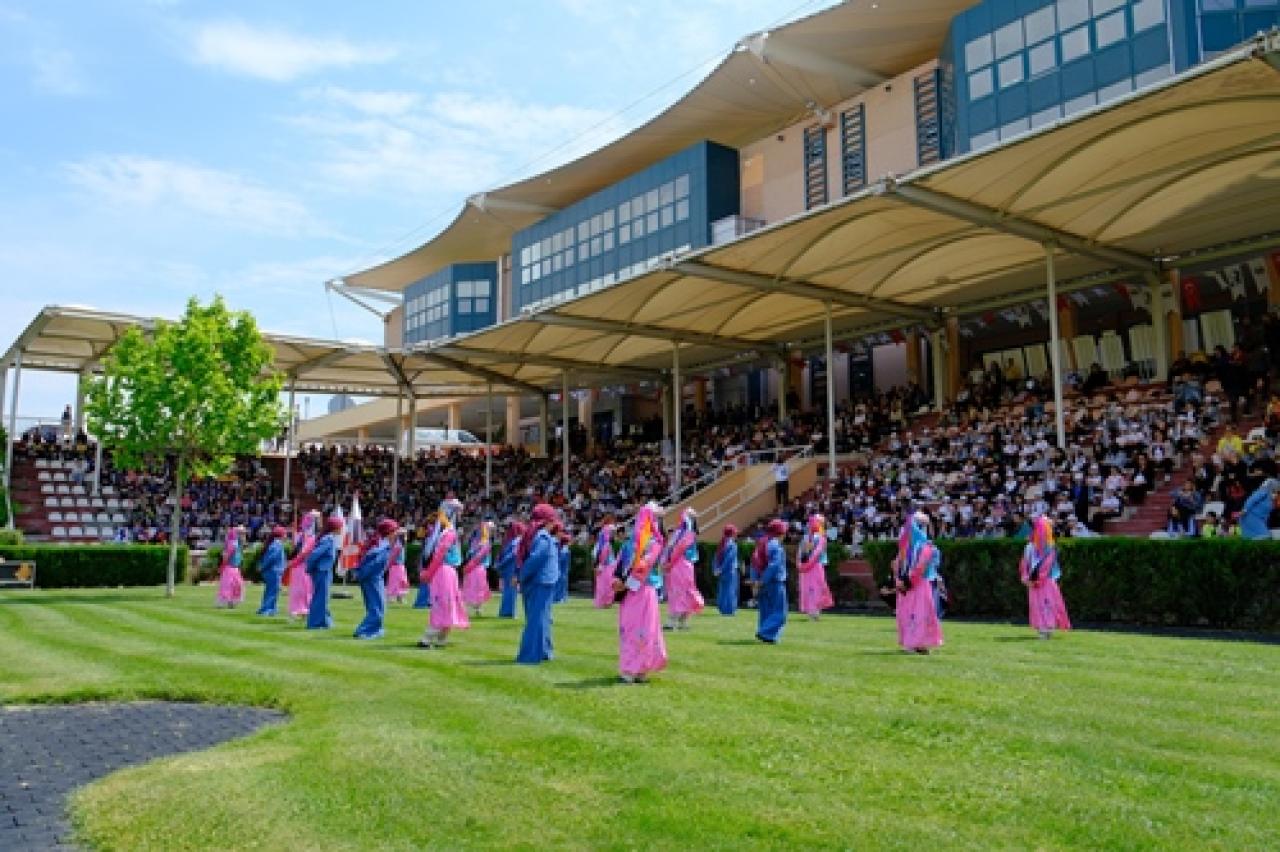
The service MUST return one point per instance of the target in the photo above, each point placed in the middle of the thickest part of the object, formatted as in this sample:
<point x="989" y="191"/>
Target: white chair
<point x="104" y="518"/>
<point x="59" y="476"/>
<point x="64" y="489"/>
<point x="98" y="503"/>
<point x="84" y="502"/>
<point x="75" y="532"/>
<point x="1159" y="535"/>
<point x="70" y="517"/>
<point x="1216" y="507"/>
<point x="48" y="488"/>
<point x="1257" y="433"/>
<point x="50" y="502"/>
<point x="55" y="517"/>
<point x="113" y="503"/>
<point x="78" y="489"/>
<point x="67" y="503"/>
<point x="109" y="490"/>
<point x="59" y="532"/>
<point x="117" y="518"/>
<point x="44" y="476"/>
<point x="42" y="462"/>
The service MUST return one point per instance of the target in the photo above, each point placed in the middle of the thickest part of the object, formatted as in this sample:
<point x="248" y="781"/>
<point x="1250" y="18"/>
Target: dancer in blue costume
<point x="725" y="568"/>
<point x="320" y="569"/>
<point x="272" y="567"/>
<point x="539" y="561"/>
<point x="507" y="569"/>
<point x="370" y="575"/>
<point x="773" y="586"/>
<point x="562" y="557"/>
<point x="1257" y="509"/>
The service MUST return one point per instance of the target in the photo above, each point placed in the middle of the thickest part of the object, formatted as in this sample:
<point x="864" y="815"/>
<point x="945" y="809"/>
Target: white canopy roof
<point x="770" y="80"/>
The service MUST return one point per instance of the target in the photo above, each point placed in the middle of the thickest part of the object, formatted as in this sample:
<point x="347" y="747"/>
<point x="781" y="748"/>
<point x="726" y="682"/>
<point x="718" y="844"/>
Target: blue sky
<point x="158" y="149"/>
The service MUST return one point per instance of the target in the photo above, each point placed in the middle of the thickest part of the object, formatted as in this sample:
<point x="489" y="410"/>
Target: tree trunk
<point x="175" y="527"/>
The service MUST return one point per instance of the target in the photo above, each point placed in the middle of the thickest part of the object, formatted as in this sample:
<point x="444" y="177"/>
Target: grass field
<point x="831" y="739"/>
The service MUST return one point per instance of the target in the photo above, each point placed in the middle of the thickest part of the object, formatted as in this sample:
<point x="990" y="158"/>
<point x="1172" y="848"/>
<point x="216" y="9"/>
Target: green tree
<point x="197" y="392"/>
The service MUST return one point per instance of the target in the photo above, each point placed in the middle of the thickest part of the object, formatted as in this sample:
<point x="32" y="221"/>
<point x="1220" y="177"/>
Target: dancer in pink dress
<point x="605" y="563"/>
<point x="815" y="595"/>
<point x="440" y="573"/>
<point x="296" y="577"/>
<point x="683" y="598"/>
<point x="641" y="648"/>
<point x="230" y="580"/>
<point x="1039" y="571"/>
<point x="475" y="575"/>
<point x="914" y="570"/>
<point x="397" y="577"/>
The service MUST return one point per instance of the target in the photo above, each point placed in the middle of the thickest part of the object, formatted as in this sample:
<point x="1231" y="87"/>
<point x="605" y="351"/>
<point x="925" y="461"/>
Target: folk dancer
<point x="1039" y="572"/>
<point x="272" y="566"/>
<point x="441" y="574"/>
<point x="641" y="647"/>
<point x="815" y="595"/>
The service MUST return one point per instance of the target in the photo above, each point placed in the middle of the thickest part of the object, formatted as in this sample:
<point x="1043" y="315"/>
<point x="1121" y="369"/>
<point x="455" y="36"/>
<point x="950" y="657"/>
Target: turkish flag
<point x="1191" y="295"/>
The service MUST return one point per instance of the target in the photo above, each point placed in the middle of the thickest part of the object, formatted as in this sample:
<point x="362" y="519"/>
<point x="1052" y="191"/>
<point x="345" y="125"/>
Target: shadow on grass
<point x="590" y="683"/>
<point x="742" y="642"/>
<point x="489" y="664"/>
<point x="1024" y="638"/>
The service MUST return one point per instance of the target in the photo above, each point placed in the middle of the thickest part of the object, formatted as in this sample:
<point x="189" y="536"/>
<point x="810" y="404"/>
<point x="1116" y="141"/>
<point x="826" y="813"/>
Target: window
<point x="982" y="140"/>
<point x="682" y="186"/>
<point x="624" y="211"/>
<point x="1042" y="58"/>
<point x="1011" y="71"/>
<point x="1110" y="29"/>
<point x="978" y="52"/>
<point x="668" y="216"/>
<point x="815" y="166"/>
<point x="1083" y="102"/>
<point x="980" y="84"/>
<point x="651" y="201"/>
<point x="624" y="233"/>
<point x="1075" y="44"/>
<point x="667" y="192"/>
<point x="1217" y="5"/>
<point x="1072" y="13"/>
<point x="1102" y="7"/>
<point x="651" y="222"/>
<point x="1014" y="128"/>
<point x="1115" y="90"/>
<point x="1154" y="75"/>
<point x="1040" y="25"/>
<point x="1147" y="14"/>
<point x="1008" y="39"/>
<point x="1046" y="116"/>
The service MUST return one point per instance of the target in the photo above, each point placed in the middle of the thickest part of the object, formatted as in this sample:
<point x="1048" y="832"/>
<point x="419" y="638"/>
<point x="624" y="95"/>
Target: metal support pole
<point x="13" y="425"/>
<point x="288" y="447"/>
<point x="78" y="422"/>
<point x="677" y="411"/>
<point x="564" y="431"/>
<point x="395" y="449"/>
<point x="938" y="356"/>
<point x="1159" y="328"/>
<point x="1055" y="354"/>
<point x="488" y="442"/>
<point x="831" y="397"/>
<point x="544" y="427"/>
<point x="413" y="428"/>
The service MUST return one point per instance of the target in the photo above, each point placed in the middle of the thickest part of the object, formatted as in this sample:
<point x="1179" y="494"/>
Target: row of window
<point x="428" y="307"/>
<point x="600" y="282"/>
<point x="1071" y="107"/>
<point x="1232" y="5"/>
<point x="646" y="213"/>
<point x="998" y="60"/>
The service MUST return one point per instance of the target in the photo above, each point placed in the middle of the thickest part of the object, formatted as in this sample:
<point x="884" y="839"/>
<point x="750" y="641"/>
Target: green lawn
<point x="832" y="739"/>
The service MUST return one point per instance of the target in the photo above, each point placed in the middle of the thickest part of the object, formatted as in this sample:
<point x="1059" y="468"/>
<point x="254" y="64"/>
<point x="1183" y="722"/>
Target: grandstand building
<point x="794" y="119"/>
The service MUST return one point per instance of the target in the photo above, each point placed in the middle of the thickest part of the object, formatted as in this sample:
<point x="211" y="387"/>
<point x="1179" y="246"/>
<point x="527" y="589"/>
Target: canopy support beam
<point x="564" y="433"/>
<point x="288" y="449"/>
<point x="677" y="409"/>
<point x="801" y="289"/>
<point x="652" y="331"/>
<point x="831" y="397"/>
<point x="996" y="220"/>
<point x="12" y="436"/>
<point x="554" y="361"/>
<point x="491" y="376"/>
<point x="488" y="442"/>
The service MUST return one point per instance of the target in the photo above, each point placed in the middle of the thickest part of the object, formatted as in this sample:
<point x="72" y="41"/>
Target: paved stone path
<point x="46" y="752"/>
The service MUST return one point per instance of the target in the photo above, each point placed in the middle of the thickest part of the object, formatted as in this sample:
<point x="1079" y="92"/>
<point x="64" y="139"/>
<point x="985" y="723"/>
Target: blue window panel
<point x="982" y="116"/>
<point x="1220" y="31"/>
<point x="1257" y="21"/>
<point x="1044" y="92"/>
<point x="1150" y="49"/>
<point x="1013" y="104"/>
<point x="1077" y="78"/>
<point x="1112" y="64"/>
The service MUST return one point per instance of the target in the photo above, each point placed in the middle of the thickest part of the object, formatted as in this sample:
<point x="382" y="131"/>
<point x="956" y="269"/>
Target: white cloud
<point x="145" y="182"/>
<point x="452" y="143"/>
<point x="276" y="55"/>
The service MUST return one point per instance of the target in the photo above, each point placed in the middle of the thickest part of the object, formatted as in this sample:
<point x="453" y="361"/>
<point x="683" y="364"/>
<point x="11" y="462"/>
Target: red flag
<point x="897" y="336"/>
<point x="1190" y="295"/>
<point x="1121" y="288"/>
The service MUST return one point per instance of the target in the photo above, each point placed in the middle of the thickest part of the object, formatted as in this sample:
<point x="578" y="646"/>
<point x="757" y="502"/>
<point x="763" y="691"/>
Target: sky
<point x="155" y="150"/>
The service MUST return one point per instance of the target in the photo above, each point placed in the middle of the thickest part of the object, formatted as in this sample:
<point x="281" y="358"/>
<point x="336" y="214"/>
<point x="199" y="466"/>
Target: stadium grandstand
<point x="996" y="258"/>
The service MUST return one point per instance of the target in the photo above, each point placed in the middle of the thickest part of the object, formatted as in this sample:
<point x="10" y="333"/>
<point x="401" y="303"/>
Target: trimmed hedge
<point x="1220" y="582"/>
<point x="60" y="566"/>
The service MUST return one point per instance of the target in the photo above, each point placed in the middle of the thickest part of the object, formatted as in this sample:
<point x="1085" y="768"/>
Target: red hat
<point x="730" y="531"/>
<point x="334" y="524"/>
<point x="278" y="531"/>
<point x="542" y="513"/>
<point x="776" y="527"/>
<point x="387" y="527"/>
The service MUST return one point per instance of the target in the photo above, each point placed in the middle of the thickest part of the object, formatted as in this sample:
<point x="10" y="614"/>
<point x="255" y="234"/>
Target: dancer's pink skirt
<point x="448" y="612"/>
<point x="641" y="648"/>
<point x="683" y="597"/>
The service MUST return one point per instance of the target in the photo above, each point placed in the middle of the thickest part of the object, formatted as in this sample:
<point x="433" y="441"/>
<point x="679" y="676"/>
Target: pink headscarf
<point x="542" y="515"/>
<point x="230" y="544"/>
<point x="729" y="533"/>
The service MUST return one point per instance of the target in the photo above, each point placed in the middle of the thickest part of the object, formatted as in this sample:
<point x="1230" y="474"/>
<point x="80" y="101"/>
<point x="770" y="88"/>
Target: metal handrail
<point x="718" y="509"/>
